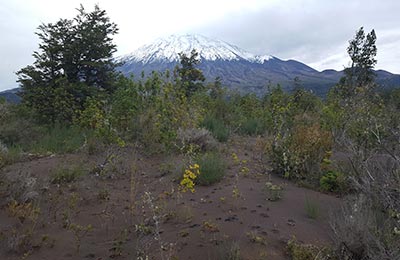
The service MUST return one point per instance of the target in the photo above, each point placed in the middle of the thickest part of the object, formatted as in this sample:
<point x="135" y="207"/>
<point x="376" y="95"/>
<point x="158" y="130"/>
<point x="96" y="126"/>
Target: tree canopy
<point x="359" y="77"/>
<point x="190" y="76"/>
<point x="74" y="62"/>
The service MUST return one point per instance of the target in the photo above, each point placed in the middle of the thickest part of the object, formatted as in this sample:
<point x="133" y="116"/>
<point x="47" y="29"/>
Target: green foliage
<point x="252" y="126"/>
<point x="217" y="127"/>
<point x="298" y="251"/>
<point x="125" y="104"/>
<point x="333" y="181"/>
<point x="362" y="51"/>
<point x="312" y="208"/>
<point x="9" y="155"/>
<point x="274" y="192"/>
<point x="60" y="139"/>
<point x="74" y="62"/>
<point x="359" y="78"/>
<point x="212" y="169"/>
<point x="306" y="102"/>
<point x="391" y="98"/>
<point x="190" y="77"/>
<point x="298" y="155"/>
<point x="67" y="175"/>
<point x="230" y="251"/>
<point x="152" y="112"/>
<point x="17" y="127"/>
<point x="96" y="119"/>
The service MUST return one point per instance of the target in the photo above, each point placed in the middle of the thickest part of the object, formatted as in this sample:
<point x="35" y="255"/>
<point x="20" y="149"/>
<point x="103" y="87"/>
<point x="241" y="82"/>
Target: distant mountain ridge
<point x="11" y="95"/>
<point x="238" y="69"/>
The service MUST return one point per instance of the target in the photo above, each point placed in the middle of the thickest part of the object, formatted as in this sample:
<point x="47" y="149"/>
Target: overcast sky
<point x="315" y="32"/>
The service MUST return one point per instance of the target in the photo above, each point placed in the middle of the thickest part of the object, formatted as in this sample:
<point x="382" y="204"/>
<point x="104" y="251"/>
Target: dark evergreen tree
<point x="191" y="77"/>
<point x="95" y="48"/>
<point x="74" y="62"/>
<point x="359" y="77"/>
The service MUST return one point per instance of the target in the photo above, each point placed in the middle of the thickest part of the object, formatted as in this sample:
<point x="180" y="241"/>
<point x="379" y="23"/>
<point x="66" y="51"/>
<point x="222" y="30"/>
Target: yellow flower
<point x="187" y="183"/>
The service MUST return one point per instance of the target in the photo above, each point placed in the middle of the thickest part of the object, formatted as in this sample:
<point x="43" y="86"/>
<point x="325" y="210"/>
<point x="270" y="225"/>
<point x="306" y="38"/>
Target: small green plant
<point x="212" y="169"/>
<point x="256" y="238"/>
<point x="332" y="181"/>
<point x="274" y="192"/>
<point x="183" y="233"/>
<point x="143" y="229"/>
<point x="230" y="251"/>
<point x="117" y="245"/>
<point x="312" y="208"/>
<point x="67" y="175"/>
<point x="103" y="194"/>
<point x="79" y="233"/>
<point x="210" y="227"/>
<point x="236" y="192"/>
<point x="299" y="251"/>
<point x="235" y="159"/>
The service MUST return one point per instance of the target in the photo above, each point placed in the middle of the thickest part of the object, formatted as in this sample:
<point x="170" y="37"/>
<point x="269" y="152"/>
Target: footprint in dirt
<point x="231" y="218"/>
<point x="291" y="222"/>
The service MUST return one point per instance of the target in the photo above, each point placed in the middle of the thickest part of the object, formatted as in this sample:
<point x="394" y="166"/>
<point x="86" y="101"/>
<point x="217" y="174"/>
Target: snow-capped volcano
<point x="167" y="49"/>
<point x="237" y="68"/>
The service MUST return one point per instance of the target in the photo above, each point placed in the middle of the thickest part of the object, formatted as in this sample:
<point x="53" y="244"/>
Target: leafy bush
<point x="274" y="192"/>
<point x="299" y="154"/>
<point x="217" y="127"/>
<point x="212" y="169"/>
<point x="96" y="119"/>
<point x="17" y="127"/>
<point x="332" y="181"/>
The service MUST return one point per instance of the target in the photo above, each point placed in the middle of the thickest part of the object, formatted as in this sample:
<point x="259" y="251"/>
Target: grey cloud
<point x="315" y="32"/>
<point x="311" y="31"/>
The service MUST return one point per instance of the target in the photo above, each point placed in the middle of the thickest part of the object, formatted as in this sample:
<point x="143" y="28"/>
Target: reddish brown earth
<point x="207" y="224"/>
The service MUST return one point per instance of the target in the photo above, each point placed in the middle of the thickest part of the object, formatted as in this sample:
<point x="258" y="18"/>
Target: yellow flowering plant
<point x="189" y="176"/>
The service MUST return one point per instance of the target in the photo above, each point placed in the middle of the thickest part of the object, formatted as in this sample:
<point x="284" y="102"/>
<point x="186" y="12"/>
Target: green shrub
<point x="298" y="154"/>
<point x="17" y="127"/>
<point x="67" y="175"/>
<point x="212" y="169"/>
<point x="299" y="251"/>
<point x="332" y="181"/>
<point x="217" y="127"/>
<point x="274" y="192"/>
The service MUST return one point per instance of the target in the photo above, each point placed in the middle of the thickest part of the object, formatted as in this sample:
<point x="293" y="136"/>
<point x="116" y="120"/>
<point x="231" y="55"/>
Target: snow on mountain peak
<point x="167" y="49"/>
